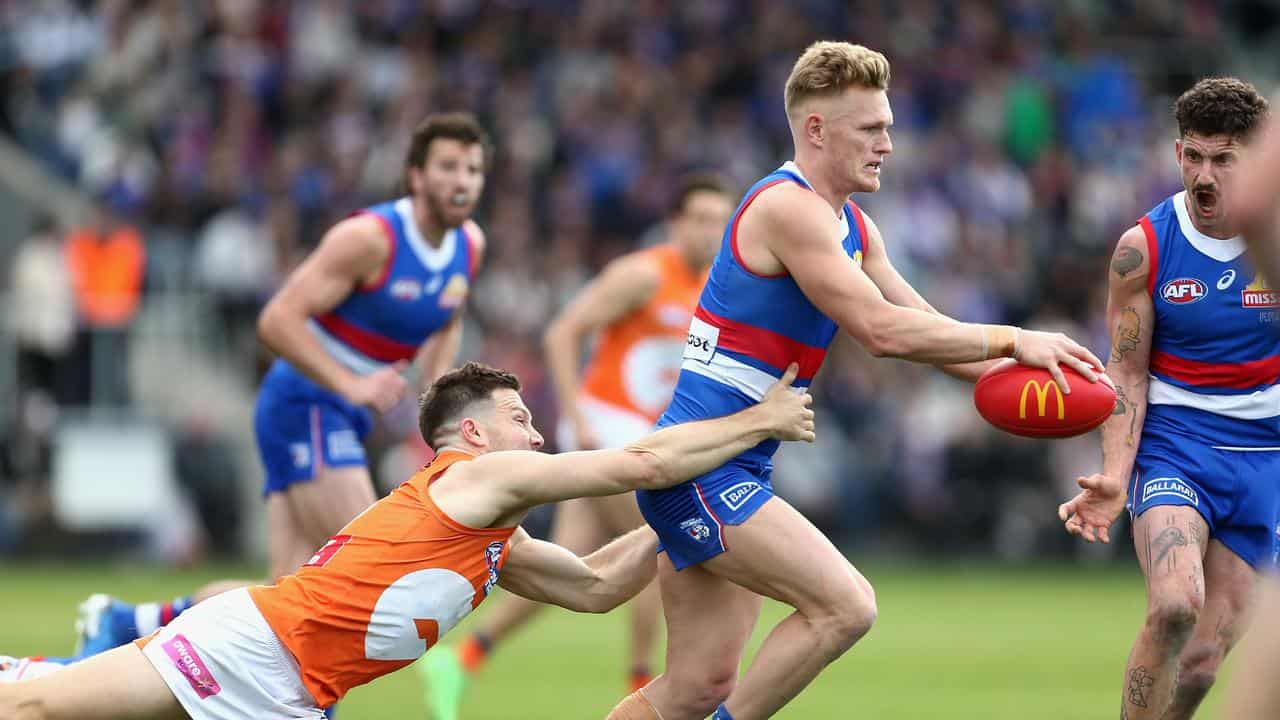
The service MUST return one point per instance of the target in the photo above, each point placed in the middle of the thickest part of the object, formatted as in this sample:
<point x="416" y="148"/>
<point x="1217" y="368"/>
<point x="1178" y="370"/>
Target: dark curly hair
<point x="460" y="126"/>
<point x="1220" y="106"/>
<point x="453" y="391"/>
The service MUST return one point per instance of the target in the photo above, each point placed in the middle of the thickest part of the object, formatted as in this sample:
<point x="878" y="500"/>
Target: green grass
<point x="950" y="642"/>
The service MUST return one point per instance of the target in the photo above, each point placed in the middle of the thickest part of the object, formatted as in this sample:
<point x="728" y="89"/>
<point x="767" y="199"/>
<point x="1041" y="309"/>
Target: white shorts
<point x="614" y="427"/>
<point x="223" y="662"/>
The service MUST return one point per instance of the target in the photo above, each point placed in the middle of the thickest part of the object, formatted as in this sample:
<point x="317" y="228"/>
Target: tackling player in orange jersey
<point x="400" y="575"/>
<point x="640" y="307"/>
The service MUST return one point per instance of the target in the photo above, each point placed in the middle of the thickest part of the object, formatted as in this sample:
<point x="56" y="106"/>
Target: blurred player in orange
<point x="1254" y="693"/>
<point x="377" y="304"/>
<point x="640" y="306"/>
<point x="386" y="588"/>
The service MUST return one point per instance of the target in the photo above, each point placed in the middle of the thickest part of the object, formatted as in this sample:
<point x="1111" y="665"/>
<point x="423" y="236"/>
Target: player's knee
<point x="703" y="693"/>
<point x="1172" y="618"/>
<point x="849" y="616"/>
<point x="16" y="703"/>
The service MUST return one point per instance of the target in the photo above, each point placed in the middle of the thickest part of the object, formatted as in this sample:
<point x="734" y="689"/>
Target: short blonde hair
<point x="828" y="68"/>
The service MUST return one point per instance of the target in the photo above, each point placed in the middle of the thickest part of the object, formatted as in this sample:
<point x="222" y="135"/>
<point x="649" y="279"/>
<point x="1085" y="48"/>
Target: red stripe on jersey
<point x="733" y="229"/>
<point x="862" y="222"/>
<point x="1153" y="253"/>
<point x="773" y="348"/>
<point x="1225" y="375"/>
<point x="473" y="257"/>
<point x="391" y="255"/>
<point x="371" y="345"/>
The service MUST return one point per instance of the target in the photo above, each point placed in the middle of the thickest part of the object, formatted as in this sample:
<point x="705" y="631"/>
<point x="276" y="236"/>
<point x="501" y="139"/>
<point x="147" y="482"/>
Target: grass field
<point x="953" y="643"/>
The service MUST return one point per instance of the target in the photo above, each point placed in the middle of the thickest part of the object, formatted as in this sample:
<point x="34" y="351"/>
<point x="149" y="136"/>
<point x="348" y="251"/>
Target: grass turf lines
<point x="950" y="642"/>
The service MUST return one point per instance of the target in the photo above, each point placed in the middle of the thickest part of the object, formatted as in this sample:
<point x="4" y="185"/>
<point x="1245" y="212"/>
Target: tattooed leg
<point x="1170" y="542"/>
<point x="1229" y="583"/>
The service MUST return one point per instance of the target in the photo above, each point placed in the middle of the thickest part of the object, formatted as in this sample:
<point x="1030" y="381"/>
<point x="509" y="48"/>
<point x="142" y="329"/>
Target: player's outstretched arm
<point x="626" y="284"/>
<point x="1131" y="316"/>
<point x="795" y="227"/>
<point x="511" y="481"/>
<point x="597" y="583"/>
<point x="877" y="265"/>
<point x="352" y="252"/>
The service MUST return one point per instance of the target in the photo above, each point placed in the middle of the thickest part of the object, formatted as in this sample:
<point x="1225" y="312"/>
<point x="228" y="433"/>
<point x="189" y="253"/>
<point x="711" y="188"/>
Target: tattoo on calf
<point x="1126" y="261"/>
<point x="1140" y="683"/>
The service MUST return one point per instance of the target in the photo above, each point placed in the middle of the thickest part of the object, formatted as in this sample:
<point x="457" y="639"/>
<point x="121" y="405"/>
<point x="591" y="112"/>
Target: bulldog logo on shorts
<point x="696" y="528"/>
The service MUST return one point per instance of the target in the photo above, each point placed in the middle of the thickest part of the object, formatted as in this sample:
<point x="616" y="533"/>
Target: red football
<point x="1026" y="401"/>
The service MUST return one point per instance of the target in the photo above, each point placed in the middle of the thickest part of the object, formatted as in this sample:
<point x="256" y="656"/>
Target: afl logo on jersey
<point x="406" y="289"/>
<point x="1183" y="291"/>
<point x="857" y="257"/>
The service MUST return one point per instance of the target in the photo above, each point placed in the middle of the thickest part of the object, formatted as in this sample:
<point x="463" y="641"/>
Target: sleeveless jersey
<point x="747" y="327"/>
<point x="637" y="359"/>
<point x="420" y="290"/>
<point x="1215" y="352"/>
<point x="383" y="591"/>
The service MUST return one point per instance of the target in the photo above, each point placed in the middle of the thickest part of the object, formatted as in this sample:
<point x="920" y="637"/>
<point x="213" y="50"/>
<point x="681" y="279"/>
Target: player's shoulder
<point x="475" y="234"/>
<point x="1129" y="260"/>
<point x="789" y="208"/>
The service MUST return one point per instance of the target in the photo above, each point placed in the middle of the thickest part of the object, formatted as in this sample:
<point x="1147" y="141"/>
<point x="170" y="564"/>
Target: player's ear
<point x="1177" y="151"/>
<point x="472" y="432"/>
<point x="813" y="128"/>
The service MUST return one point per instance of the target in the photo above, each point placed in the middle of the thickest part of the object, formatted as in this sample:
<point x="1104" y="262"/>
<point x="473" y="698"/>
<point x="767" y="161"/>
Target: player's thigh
<point x="709" y="620"/>
<point x="577" y="527"/>
<point x="120" y="683"/>
<point x="1170" y="542"/>
<point x="778" y="553"/>
<point x="330" y="500"/>
<point x="1230" y="585"/>
<point x="288" y="544"/>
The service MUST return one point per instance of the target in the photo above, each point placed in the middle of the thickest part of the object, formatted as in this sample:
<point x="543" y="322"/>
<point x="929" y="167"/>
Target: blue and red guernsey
<point x="420" y="290"/>
<point x="1215" y="352"/>
<point x="748" y="327"/>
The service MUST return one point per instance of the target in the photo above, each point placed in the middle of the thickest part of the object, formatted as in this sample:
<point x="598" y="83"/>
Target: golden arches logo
<point x="1042" y="398"/>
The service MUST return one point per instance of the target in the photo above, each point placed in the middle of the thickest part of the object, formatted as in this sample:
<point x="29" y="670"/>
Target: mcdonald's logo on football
<point x="1042" y="398"/>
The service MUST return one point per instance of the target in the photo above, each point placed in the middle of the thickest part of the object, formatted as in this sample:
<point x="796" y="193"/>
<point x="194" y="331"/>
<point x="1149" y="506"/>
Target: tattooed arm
<point x="1131" y="317"/>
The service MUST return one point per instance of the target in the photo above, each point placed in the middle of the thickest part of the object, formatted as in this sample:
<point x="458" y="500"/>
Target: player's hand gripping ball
<point x="1026" y="401"/>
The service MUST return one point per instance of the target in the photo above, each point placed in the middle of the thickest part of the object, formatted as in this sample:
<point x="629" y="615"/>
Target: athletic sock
<point x="473" y="651"/>
<point x="721" y="714"/>
<point x="149" y="617"/>
<point x="331" y="712"/>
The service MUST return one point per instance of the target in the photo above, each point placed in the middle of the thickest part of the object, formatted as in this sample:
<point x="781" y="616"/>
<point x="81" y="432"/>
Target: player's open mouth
<point x="873" y="167"/>
<point x="459" y="199"/>
<point x="1206" y="201"/>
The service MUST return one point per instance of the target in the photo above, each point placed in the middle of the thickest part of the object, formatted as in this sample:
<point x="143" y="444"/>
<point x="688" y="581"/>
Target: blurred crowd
<point x="221" y="138"/>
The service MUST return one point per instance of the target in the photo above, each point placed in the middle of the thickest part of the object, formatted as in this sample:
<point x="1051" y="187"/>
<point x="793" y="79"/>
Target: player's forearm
<point x="1122" y="432"/>
<point x="969" y="372"/>
<point x="622" y="568"/>
<point x="685" y="451"/>
<point x="924" y="337"/>
<point x="287" y="334"/>
<point x="561" y="347"/>
<point x="441" y="351"/>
